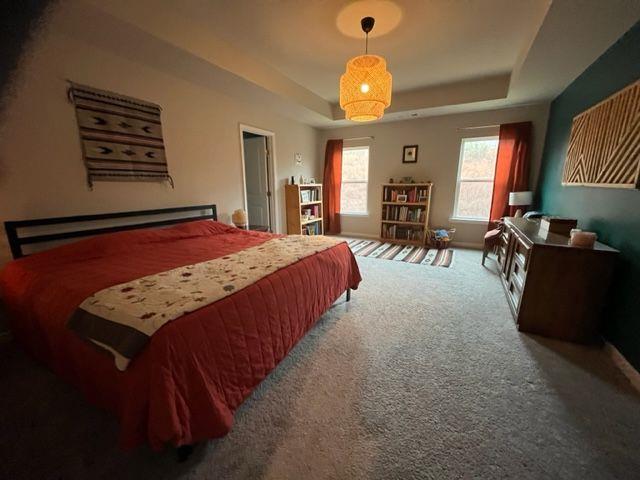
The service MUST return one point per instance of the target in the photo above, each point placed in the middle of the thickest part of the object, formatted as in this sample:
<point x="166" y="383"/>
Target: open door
<point x="257" y="181"/>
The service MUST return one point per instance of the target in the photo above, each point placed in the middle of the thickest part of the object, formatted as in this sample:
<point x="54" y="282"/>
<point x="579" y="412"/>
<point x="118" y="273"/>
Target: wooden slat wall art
<point x="604" y="146"/>
<point x="121" y="136"/>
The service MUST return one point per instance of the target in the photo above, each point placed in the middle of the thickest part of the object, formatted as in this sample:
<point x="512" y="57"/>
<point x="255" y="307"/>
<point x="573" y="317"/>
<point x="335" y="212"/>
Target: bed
<point x="195" y="371"/>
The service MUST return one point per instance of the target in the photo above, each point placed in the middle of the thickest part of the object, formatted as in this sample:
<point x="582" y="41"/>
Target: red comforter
<point x="187" y="383"/>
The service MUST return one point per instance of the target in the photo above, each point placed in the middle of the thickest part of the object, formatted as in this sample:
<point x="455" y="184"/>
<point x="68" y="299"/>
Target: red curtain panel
<point x="332" y="184"/>
<point x="512" y="167"/>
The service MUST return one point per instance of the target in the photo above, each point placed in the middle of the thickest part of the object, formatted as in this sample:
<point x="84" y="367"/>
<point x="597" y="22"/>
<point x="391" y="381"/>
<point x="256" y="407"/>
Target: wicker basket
<point x="440" y="243"/>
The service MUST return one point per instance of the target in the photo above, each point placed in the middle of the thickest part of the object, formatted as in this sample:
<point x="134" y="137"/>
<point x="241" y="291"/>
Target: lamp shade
<point x="239" y="218"/>
<point x="520" y="198"/>
<point x="365" y="88"/>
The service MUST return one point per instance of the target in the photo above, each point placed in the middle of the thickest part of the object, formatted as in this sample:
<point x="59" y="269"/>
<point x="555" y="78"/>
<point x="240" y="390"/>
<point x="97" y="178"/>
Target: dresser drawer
<point x="514" y="294"/>
<point x="521" y="253"/>
<point x="502" y="254"/>
<point x="505" y="252"/>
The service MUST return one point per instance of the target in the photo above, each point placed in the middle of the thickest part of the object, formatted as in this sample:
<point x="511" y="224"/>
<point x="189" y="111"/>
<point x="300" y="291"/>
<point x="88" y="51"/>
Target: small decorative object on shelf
<point x="306" y="214"/>
<point x="239" y="219"/>
<point x="405" y="212"/>
<point x="304" y="209"/>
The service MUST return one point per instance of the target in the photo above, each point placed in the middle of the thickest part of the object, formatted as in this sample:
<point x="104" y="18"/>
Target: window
<point x="476" y="172"/>
<point x="355" y="179"/>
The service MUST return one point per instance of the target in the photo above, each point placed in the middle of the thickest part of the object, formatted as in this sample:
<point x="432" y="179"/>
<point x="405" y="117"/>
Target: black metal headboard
<point x="16" y="241"/>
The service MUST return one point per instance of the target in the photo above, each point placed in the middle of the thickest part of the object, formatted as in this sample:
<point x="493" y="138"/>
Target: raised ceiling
<point x="435" y="42"/>
<point x="445" y="55"/>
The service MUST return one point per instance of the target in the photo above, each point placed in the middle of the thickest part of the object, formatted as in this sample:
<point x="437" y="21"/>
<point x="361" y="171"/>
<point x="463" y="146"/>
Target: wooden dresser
<point x="553" y="289"/>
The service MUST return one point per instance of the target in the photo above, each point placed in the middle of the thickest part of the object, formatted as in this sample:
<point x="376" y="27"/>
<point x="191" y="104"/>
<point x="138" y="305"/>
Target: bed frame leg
<point x="184" y="452"/>
<point x="348" y="294"/>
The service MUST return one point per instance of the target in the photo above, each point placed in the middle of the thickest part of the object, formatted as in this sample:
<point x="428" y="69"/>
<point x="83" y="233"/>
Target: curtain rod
<point x="371" y="137"/>
<point x="479" y="126"/>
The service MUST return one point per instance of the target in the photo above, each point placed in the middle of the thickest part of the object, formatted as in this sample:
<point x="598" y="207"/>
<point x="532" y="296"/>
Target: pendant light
<point x="365" y="87"/>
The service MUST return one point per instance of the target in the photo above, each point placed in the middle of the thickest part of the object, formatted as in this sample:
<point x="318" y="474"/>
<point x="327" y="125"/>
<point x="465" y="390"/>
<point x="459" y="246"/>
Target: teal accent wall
<point x="613" y="213"/>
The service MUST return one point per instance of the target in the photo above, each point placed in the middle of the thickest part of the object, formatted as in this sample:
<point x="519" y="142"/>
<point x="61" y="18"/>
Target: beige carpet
<point x="422" y="375"/>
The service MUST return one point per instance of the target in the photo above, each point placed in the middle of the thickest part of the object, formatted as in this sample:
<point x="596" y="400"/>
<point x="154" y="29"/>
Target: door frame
<point x="271" y="174"/>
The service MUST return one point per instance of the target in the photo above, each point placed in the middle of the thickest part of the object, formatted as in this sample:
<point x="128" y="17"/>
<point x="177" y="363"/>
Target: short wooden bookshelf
<point x="304" y="209"/>
<point x="405" y="212"/>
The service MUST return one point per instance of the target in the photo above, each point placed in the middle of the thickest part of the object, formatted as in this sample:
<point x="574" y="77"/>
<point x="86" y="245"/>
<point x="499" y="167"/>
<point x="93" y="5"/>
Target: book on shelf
<point x="399" y="232"/>
<point x="309" y="195"/>
<point x="311" y="229"/>
<point x="404" y="214"/>
<point x="413" y="194"/>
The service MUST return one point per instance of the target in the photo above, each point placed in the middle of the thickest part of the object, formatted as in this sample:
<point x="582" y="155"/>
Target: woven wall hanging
<point x="121" y="136"/>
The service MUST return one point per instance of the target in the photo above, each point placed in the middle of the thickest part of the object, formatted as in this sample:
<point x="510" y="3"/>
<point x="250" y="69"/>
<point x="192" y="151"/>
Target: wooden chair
<point x="491" y="239"/>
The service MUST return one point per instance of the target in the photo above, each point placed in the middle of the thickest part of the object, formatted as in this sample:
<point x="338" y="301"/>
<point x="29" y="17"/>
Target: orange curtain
<point x="332" y="184"/>
<point x="512" y="167"/>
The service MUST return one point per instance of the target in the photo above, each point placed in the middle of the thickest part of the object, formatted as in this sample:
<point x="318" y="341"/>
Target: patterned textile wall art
<point x="121" y="136"/>
<point x="604" y="146"/>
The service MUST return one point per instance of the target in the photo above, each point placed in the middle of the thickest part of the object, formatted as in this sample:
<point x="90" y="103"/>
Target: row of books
<point x="398" y="232"/>
<point x="309" y="195"/>
<point x="412" y="195"/>
<point x="312" y="229"/>
<point x="403" y="214"/>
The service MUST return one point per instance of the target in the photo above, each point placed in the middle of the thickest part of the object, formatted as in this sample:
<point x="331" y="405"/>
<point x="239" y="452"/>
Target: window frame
<point x="459" y="180"/>
<point x="364" y="213"/>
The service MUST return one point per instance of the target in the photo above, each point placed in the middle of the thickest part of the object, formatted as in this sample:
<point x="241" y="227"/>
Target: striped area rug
<point x="402" y="253"/>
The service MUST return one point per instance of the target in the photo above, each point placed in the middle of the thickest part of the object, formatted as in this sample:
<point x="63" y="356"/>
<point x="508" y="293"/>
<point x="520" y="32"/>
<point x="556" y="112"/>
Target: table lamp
<point x="520" y="199"/>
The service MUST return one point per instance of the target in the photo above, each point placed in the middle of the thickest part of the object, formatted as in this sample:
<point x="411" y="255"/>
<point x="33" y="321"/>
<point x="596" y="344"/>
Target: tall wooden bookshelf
<point x="298" y="199"/>
<point x="405" y="220"/>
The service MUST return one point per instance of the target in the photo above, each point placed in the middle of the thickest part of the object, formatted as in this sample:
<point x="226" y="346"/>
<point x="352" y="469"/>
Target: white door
<point x="257" y="180"/>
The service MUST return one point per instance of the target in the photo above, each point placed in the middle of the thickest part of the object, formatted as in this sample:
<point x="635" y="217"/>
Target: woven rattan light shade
<point x="365" y="88"/>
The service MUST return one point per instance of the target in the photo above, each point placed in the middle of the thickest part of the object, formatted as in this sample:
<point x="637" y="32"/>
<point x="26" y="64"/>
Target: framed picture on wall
<point x="410" y="154"/>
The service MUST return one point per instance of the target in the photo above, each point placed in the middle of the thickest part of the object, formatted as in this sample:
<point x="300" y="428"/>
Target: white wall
<point x="438" y="153"/>
<point x="41" y="169"/>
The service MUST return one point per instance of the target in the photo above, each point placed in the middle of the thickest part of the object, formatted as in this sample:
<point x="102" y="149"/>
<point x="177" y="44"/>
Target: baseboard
<point x="475" y="246"/>
<point x="623" y="364"/>
<point x="358" y="235"/>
